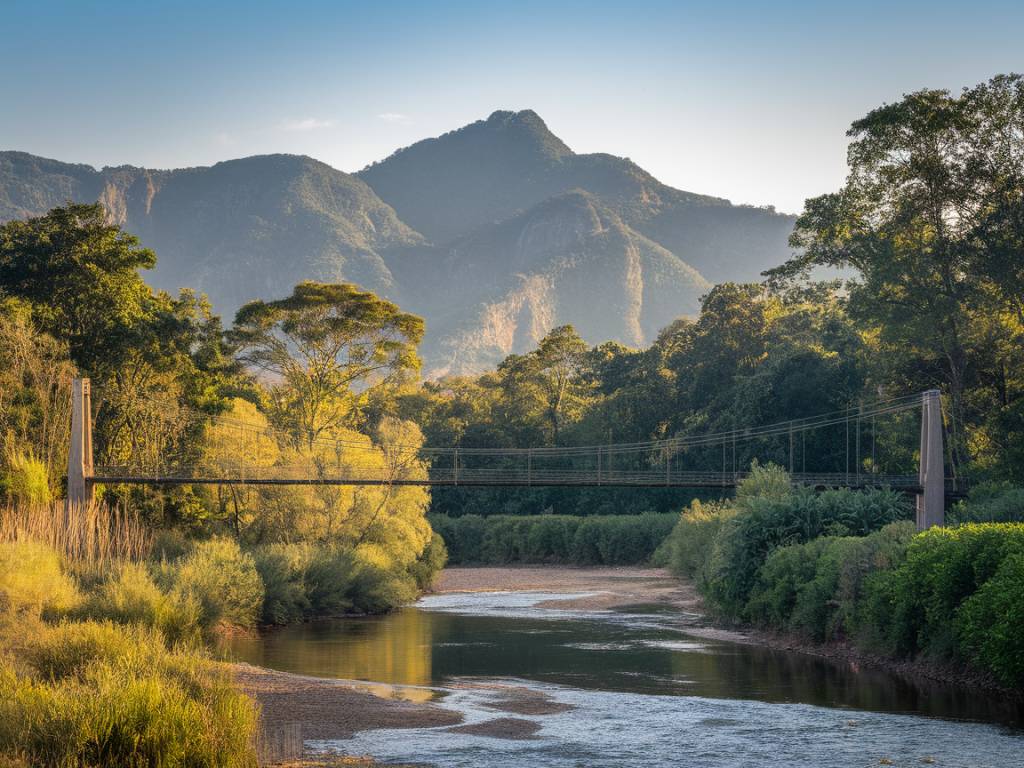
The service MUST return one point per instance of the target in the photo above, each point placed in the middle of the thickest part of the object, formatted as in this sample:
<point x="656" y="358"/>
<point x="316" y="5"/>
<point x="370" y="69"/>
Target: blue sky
<point x="745" y="100"/>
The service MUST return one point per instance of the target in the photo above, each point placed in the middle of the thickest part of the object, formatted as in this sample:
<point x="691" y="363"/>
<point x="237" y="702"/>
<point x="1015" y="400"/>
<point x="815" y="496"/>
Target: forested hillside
<point x="496" y="233"/>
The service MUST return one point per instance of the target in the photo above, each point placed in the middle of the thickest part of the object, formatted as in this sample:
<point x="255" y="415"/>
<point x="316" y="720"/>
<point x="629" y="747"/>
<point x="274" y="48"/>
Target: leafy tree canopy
<point x="323" y="345"/>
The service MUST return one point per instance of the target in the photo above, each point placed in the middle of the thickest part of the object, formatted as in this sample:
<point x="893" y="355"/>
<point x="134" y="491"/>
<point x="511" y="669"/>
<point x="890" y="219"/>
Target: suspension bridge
<point x="842" y="452"/>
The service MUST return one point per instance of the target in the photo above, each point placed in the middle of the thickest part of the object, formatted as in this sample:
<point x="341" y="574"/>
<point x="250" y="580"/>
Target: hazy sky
<point x="747" y="100"/>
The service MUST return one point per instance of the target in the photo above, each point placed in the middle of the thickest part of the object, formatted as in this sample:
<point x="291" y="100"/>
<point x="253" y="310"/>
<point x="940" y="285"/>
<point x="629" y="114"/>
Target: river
<point x="636" y="687"/>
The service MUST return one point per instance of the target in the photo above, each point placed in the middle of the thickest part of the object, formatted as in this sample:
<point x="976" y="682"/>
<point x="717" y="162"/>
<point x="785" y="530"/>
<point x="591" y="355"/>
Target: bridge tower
<point x="931" y="502"/>
<point x="80" y="468"/>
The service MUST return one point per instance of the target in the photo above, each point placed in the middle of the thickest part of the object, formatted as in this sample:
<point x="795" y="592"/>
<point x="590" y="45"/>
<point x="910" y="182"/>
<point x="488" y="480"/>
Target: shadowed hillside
<point x="495" y="168"/>
<point x="238" y="230"/>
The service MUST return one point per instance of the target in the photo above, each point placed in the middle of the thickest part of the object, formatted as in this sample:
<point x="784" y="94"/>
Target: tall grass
<point x="95" y="693"/>
<point x="92" y="534"/>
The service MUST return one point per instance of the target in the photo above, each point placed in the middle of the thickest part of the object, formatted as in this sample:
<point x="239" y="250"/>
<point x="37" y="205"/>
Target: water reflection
<point x="395" y="649"/>
<point x="629" y="653"/>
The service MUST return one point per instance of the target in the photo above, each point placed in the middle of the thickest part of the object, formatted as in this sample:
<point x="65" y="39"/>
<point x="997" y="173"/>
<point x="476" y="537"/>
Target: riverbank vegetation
<point x="102" y="659"/>
<point x="847" y="566"/>
<point x="552" y="539"/>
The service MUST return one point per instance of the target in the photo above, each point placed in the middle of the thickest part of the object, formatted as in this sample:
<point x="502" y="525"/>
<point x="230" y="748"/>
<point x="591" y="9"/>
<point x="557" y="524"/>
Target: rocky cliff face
<point x="567" y="260"/>
<point x="495" y="233"/>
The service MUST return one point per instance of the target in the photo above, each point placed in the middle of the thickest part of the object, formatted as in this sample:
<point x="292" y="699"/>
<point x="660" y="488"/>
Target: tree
<point x="552" y="376"/>
<point x="323" y="344"/>
<point x="154" y="360"/>
<point x="932" y="195"/>
<point x="35" y="393"/>
<point x="80" y="276"/>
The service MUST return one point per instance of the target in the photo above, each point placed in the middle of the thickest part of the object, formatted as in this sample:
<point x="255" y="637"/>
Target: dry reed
<point x="89" y="534"/>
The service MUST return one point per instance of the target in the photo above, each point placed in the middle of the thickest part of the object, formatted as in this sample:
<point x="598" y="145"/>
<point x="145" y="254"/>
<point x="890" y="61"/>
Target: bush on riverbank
<point x="303" y="581"/>
<point x="816" y="588"/>
<point x="768" y="513"/>
<point x="989" y="503"/>
<point x="687" y="548"/>
<point x="129" y="595"/>
<point x="31" y="578"/>
<point x="553" y="539"/>
<point x="836" y="566"/>
<point x="915" y="608"/>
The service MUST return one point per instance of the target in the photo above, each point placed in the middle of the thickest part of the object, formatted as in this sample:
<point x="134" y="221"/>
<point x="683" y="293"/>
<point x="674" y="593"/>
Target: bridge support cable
<point x="694" y="460"/>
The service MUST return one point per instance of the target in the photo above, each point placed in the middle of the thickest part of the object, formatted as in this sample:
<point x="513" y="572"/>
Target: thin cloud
<point x="394" y="117"/>
<point x="306" y="124"/>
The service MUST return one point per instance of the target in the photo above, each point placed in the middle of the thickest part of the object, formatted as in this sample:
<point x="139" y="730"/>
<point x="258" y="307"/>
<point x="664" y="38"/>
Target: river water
<point x="643" y="690"/>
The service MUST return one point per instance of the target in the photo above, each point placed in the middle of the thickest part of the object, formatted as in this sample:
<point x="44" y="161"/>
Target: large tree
<point x="154" y="360"/>
<point x="551" y="380"/>
<point x="80" y="275"/>
<point x="324" y="345"/>
<point x="930" y="219"/>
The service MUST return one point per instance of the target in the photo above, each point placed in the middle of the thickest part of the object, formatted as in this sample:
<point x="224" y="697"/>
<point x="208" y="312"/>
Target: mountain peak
<point x="525" y="126"/>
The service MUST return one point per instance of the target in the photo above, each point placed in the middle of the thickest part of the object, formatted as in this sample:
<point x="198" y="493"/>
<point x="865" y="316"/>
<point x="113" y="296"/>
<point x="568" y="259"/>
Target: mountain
<point x="569" y="259"/>
<point x="238" y="230"/>
<point x="495" y="233"/>
<point x="496" y="168"/>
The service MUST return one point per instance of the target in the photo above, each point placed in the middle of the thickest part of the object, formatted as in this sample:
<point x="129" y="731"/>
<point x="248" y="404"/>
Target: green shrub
<point x="768" y="482"/>
<point x="302" y="581"/>
<point x="31" y="578"/>
<point x="283" y="570"/>
<point x="989" y="503"/>
<point x="879" y="552"/>
<point x="504" y="540"/>
<point x="376" y="587"/>
<point x="131" y="596"/>
<point x="586" y="543"/>
<point x="816" y="588"/>
<point x="989" y="623"/>
<point x="763" y="523"/>
<point x="780" y="580"/>
<point x="224" y="582"/>
<point x="567" y="539"/>
<point x="549" y="538"/>
<point x="912" y="608"/>
<point x="67" y="648"/>
<point x="430" y="562"/>
<point x="687" y="548"/>
<point x="463" y="536"/>
<point x="170" y="544"/>
<point x="26" y="479"/>
<point x="329" y="581"/>
<point x="94" y="694"/>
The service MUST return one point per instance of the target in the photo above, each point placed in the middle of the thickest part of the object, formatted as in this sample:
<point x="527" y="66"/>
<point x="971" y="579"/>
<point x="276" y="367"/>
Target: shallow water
<point x="643" y="691"/>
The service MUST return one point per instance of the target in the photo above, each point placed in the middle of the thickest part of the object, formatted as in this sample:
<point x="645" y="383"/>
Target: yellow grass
<point x="92" y="534"/>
